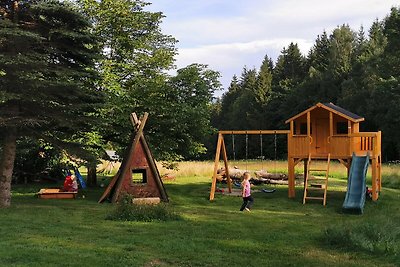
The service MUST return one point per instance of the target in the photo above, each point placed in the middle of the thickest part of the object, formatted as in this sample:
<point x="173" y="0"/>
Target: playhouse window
<point x="341" y="127"/>
<point x="303" y="128"/>
<point x="139" y="176"/>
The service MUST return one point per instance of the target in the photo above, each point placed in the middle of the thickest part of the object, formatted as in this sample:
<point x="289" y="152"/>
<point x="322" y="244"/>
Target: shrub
<point x="126" y="211"/>
<point x="375" y="237"/>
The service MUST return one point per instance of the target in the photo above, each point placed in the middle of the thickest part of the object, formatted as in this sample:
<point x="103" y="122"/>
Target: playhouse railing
<point x="339" y="146"/>
<point x="299" y="145"/>
<point x="366" y="142"/>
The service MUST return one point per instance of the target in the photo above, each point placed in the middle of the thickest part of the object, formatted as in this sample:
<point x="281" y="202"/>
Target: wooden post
<point x="216" y="163"/>
<point x="374" y="179"/>
<point x="225" y="158"/>
<point x="305" y="171"/>
<point x="330" y="131"/>
<point x="378" y="145"/>
<point x="291" y="178"/>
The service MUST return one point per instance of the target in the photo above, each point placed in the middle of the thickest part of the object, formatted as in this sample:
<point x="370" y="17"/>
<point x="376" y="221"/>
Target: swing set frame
<point x="221" y="149"/>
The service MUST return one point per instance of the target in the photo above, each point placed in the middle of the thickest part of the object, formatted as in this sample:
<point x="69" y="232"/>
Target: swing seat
<point x="268" y="190"/>
<point x="220" y="190"/>
<point x="237" y="184"/>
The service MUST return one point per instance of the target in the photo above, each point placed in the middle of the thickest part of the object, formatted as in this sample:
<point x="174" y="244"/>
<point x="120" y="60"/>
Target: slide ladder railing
<point x="315" y="183"/>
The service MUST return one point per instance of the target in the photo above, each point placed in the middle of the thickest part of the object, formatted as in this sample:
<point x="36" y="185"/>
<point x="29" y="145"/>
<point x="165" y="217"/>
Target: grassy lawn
<point x="278" y="232"/>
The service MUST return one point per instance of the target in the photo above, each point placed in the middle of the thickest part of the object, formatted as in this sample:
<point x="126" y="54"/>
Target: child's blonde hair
<point x="246" y="175"/>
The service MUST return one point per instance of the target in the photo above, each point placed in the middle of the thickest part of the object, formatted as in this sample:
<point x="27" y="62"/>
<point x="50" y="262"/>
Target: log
<point x="234" y="173"/>
<point x="260" y="177"/>
<point x="168" y="176"/>
<point x="275" y="176"/>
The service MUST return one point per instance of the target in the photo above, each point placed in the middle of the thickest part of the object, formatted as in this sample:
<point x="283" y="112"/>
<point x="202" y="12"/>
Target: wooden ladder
<point x="317" y="183"/>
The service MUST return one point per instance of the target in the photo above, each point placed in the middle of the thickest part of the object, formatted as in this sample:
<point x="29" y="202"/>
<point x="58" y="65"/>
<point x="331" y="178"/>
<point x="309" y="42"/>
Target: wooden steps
<point x="312" y="191"/>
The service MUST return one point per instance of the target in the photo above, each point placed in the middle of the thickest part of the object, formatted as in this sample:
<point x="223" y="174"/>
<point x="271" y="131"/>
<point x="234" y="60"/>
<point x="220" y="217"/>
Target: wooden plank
<point x="364" y="134"/>
<point x="153" y="168"/>
<point x="345" y="163"/>
<point x="291" y="179"/>
<point x="109" y="187"/>
<point x="225" y="158"/>
<point x="54" y="193"/>
<point x="375" y="193"/>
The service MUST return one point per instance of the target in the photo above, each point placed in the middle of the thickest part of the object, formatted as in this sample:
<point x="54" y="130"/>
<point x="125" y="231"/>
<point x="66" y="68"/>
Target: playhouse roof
<point x="334" y="109"/>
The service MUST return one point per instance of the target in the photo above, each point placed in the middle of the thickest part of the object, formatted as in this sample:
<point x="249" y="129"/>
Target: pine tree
<point x="318" y="57"/>
<point x="47" y="73"/>
<point x="264" y="82"/>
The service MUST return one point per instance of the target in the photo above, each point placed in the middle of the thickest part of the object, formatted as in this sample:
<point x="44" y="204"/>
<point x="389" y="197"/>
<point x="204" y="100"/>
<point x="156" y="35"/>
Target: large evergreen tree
<point x="387" y="93"/>
<point x="47" y="72"/>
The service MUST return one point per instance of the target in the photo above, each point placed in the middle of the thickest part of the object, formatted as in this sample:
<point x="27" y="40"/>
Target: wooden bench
<point x="48" y="193"/>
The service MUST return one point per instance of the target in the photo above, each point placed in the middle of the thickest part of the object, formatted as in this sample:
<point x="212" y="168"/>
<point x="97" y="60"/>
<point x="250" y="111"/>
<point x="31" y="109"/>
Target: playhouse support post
<point x="291" y="178"/>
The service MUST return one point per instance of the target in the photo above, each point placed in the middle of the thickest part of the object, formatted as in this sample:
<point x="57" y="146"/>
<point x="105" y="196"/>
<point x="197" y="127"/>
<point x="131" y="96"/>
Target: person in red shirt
<point x="70" y="184"/>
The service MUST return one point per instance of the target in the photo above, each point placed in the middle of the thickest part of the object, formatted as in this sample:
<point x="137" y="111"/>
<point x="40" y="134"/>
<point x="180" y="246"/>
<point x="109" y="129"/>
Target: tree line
<point x="72" y="72"/>
<point x="356" y="70"/>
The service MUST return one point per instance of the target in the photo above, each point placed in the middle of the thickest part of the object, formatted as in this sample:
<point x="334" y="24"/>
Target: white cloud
<point x="230" y="53"/>
<point x="228" y="35"/>
<point x="230" y="58"/>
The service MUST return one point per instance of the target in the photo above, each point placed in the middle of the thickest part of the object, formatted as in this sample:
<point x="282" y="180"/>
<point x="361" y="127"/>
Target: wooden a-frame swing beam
<point x="221" y="148"/>
<point x="254" y="132"/>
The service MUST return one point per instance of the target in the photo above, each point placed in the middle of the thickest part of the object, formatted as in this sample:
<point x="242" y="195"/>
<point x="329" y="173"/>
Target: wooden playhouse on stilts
<point x="324" y="132"/>
<point x="327" y="132"/>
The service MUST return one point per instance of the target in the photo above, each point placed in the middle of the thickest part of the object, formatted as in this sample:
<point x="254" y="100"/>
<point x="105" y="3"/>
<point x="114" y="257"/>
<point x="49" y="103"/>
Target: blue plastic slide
<point x="356" y="185"/>
<point x="80" y="178"/>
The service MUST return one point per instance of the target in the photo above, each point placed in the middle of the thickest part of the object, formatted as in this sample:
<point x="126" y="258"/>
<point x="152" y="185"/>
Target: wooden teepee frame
<point x="113" y="190"/>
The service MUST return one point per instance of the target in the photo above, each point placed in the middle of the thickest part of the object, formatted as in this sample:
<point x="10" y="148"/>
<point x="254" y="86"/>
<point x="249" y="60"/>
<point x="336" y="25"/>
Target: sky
<point x="228" y="35"/>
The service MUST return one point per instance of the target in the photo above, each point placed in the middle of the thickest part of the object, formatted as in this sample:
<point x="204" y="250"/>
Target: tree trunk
<point x="91" y="175"/>
<point x="7" y="166"/>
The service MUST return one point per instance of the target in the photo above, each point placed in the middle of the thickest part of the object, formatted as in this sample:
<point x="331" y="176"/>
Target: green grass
<point x="278" y="232"/>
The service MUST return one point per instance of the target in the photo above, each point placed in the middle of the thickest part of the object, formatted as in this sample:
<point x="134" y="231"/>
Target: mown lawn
<point x="278" y="232"/>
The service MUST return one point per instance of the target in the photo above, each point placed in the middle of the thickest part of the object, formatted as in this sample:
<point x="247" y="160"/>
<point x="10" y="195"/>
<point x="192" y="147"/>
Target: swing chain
<point x="233" y="147"/>
<point x="275" y="154"/>
<point x="275" y="145"/>
<point x="247" y="142"/>
<point x="261" y="150"/>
